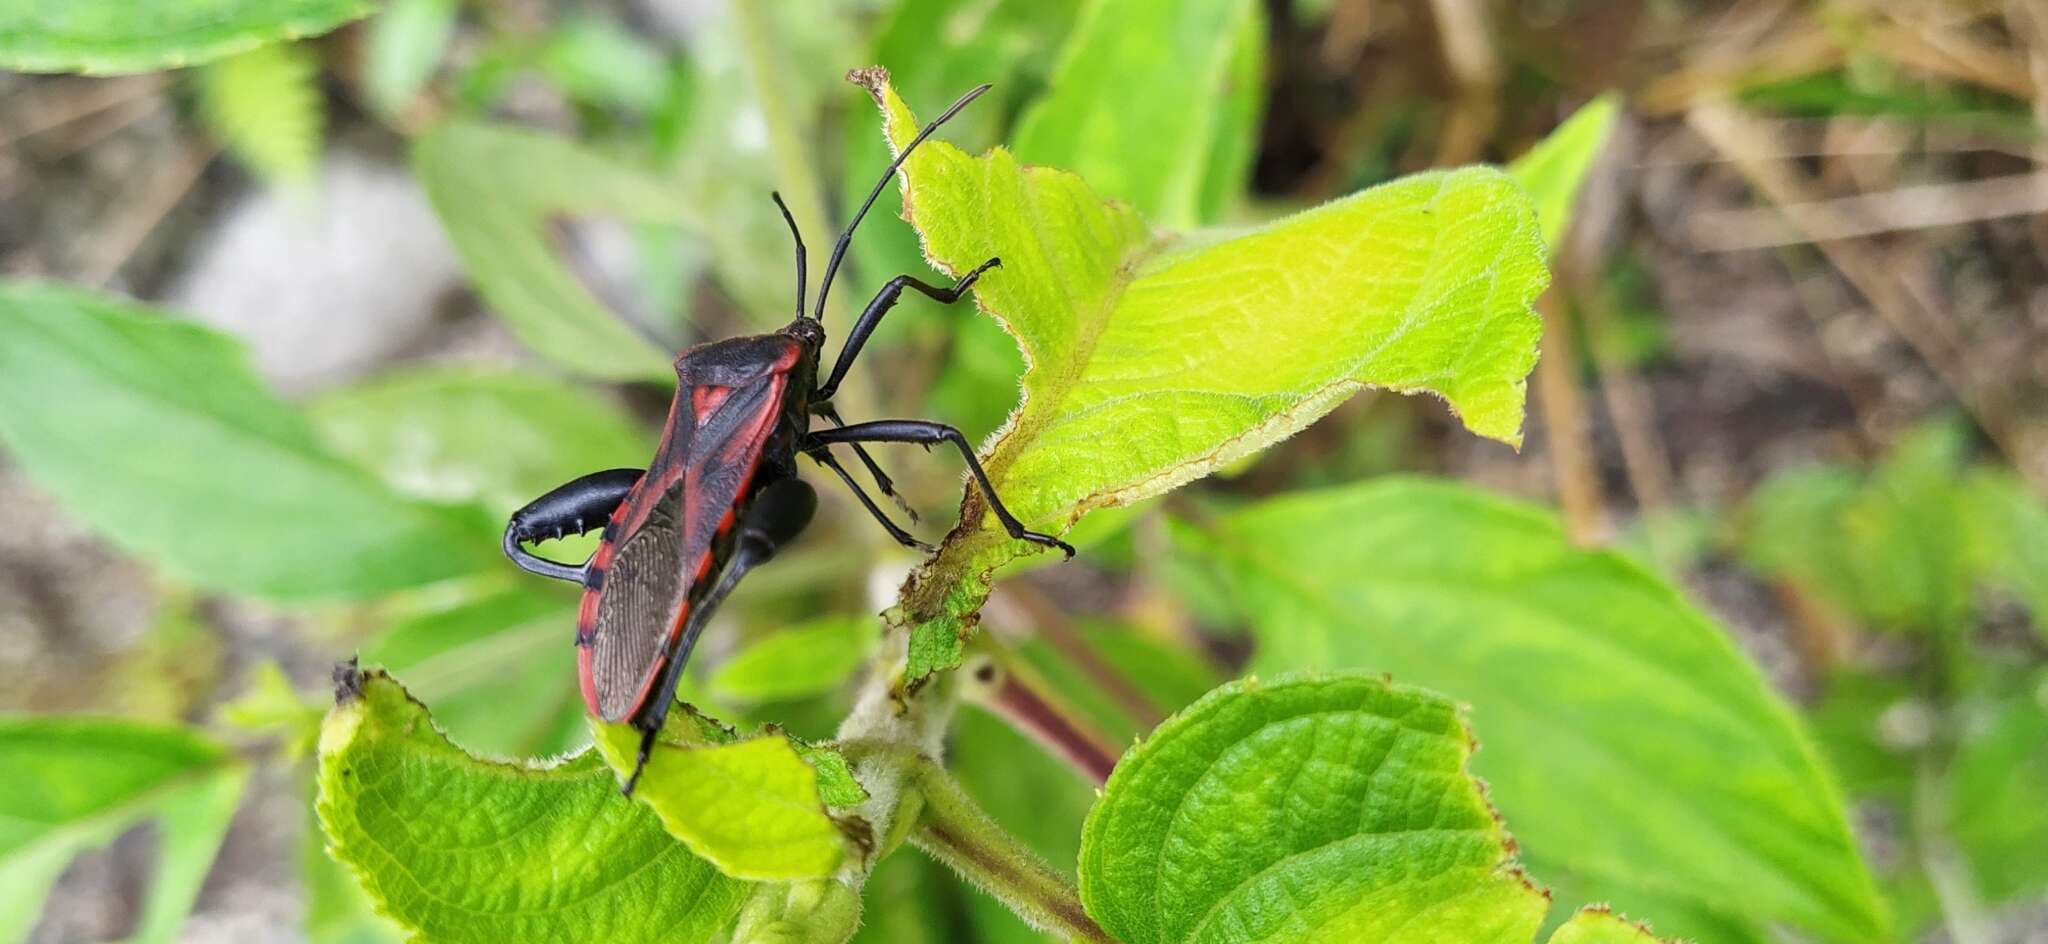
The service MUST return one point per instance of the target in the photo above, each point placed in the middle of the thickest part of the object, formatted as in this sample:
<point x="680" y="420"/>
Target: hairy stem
<point x="955" y="831"/>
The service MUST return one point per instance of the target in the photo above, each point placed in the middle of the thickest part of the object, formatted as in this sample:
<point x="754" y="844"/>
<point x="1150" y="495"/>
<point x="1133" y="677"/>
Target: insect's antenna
<point x="839" y="249"/>
<point x="802" y="274"/>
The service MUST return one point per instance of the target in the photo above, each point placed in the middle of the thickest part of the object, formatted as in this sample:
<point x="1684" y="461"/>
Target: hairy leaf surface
<point x="457" y="848"/>
<point x="1679" y="773"/>
<point x="1154" y="361"/>
<point x="753" y="807"/>
<point x="1309" y="809"/>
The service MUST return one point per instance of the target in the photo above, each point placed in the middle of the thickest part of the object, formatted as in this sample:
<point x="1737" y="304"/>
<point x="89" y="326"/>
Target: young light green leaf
<point x="1552" y="170"/>
<point x="499" y="193"/>
<point x="405" y="45"/>
<point x="811" y="911"/>
<point x="752" y="807"/>
<point x="155" y="432"/>
<point x="499" y="438"/>
<point x="1681" y="774"/>
<point x="1601" y="926"/>
<point x="74" y="783"/>
<point x="459" y="849"/>
<point x="936" y="50"/>
<point x="266" y="106"/>
<point x="797" y="662"/>
<point x="103" y="37"/>
<point x="1309" y="809"/>
<point x="1150" y="104"/>
<point x="271" y="706"/>
<point x="1153" y="364"/>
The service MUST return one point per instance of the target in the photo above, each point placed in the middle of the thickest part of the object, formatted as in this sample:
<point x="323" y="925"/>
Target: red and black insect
<point x="721" y="494"/>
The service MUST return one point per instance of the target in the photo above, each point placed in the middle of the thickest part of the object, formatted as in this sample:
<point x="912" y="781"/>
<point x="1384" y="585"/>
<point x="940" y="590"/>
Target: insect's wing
<point x="644" y="588"/>
<point x="648" y="583"/>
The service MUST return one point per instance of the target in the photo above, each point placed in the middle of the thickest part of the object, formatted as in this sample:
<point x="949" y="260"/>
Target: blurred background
<point x="1796" y="360"/>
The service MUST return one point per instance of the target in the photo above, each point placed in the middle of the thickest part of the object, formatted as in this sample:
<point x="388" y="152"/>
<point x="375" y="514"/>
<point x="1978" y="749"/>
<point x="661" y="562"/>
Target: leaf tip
<point x="873" y="78"/>
<point x="348" y="681"/>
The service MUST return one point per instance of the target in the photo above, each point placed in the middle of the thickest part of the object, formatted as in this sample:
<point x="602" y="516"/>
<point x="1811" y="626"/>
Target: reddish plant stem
<point x="1015" y="695"/>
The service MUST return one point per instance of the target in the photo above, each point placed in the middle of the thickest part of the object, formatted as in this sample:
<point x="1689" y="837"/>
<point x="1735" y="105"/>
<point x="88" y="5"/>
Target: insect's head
<point x="810" y="332"/>
<point x="806" y="328"/>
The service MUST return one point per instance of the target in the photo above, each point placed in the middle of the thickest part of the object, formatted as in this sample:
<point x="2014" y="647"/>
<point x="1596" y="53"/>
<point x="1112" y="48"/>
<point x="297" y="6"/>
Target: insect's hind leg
<point x="882" y="480"/>
<point x="575" y="507"/>
<point x="926" y="433"/>
<point x="823" y="456"/>
<point x="779" y="512"/>
<point x="883" y="301"/>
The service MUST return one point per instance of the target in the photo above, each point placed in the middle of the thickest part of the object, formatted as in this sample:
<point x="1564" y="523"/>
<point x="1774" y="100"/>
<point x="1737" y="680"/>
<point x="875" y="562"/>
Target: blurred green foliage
<point x="1635" y="753"/>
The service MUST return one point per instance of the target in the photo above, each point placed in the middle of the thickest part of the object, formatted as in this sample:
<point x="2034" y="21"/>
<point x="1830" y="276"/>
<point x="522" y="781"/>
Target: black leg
<point x="576" y="507"/>
<point x="778" y="513"/>
<point x="885" y="300"/>
<point x="927" y="434"/>
<point x="823" y="456"/>
<point x="886" y="485"/>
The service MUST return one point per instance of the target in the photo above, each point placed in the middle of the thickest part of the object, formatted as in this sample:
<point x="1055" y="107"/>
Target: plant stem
<point x="1011" y="691"/>
<point x="956" y="832"/>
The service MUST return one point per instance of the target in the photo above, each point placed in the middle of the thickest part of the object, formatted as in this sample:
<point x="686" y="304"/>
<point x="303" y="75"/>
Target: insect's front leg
<point x="885" y="300"/>
<point x="576" y="507"/>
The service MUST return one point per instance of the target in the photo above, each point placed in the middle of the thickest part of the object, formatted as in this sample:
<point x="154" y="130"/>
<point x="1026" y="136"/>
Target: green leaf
<point x="751" y="806"/>
<point x="495" y="664"/>
<point x="267" y="107"/>
<point x="500" y="192"/>
<point x="812" y="911"/>
<point x="596" y="60"/>
<point x="192" y="823"/>
<point x="404" y="48"/>
<point x="75" y="783"/>
<point x="1154" y="362"/>
<point x="798" y="662"/>
<point x="1553" y="170"/>
<point x="338" y="911"/>
<point x="496" y="437"/>
<point x="2013" y="528"/>
<point x="1895" y="547"/>
<point x="1630" y="744"/>
<point x="272" y="706"/>
<point x="458" y="849"/>
<point x="1306" y="809"/>
<point x="1997" y="794"/>
<point x="1155" y="104"/>
<point x="1601" y="926"/>
<point x="155" y="432"/>
<point x="104" y="37"/>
